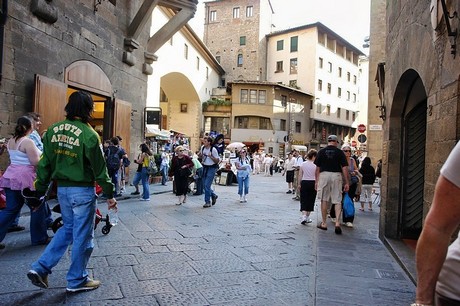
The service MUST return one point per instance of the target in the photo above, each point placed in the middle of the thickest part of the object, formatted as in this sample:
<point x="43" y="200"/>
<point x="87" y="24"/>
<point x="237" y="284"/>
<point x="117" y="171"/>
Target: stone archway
<point x="404" y="159"/>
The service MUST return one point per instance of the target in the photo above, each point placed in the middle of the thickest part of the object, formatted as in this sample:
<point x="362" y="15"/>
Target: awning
<point x="299" y="148"/>
<point x="154" y="132"/>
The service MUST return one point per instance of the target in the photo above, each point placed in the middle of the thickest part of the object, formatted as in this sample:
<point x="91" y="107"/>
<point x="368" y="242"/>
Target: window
<point x="329" y="88"/>
<point x="283" y="100"/>
<point x="242" y="122"/>
<point x="318" y="108"/>
<point x="320" y="62"/>
<point x="279" y="45"/>
<point x="249" y="11"/>
<point x="348" y="76"/>
<point x="354" y="79"/>
<point x="264" y="124"/>
<point x="262" y="96"/>
<point x="347" y="115"/>
<point x="354" y="97"/>
<point x="242" y="40"/>
<point x="218" y="58"/>
<point x="185" y="51"/>
<point x="338" y="112"/>
<point x="348" y="96"/>
<point x="340" y="72"/>
<point x="339" y="92"/>
<point x="244" y="96"/>
<point x="279" y="66"/>
<point x="252" y="96"/>
<point x="197" y="63"/>
<point x="236" y="12"/>
<point x="293" y="83"/>
<point x="293" y="66"/>
<point x="320" y="85"/>
<point x="240" y="60"/>
<point x="353" y="116"/>
<point x="328" y="110"/>
<point x="282" y="125"/>
<point x="329" y="67"/>
<point x="298" y="127"/>
<point x="213" y="16"/>
<point x="294" y="41"/>
<point x="207" y="73"/>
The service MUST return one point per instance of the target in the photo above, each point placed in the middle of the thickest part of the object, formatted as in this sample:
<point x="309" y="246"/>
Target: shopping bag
<point x="348" y="206"/>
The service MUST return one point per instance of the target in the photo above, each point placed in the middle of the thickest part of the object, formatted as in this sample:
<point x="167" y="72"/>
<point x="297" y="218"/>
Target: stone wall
<point x="35" y="44"/>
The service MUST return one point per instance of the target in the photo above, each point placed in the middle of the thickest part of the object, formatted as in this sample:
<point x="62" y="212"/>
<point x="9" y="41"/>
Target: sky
<point x="348" y="18"/>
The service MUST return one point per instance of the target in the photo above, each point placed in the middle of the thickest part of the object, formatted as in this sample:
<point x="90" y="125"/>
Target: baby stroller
<point x="34" y="202"/>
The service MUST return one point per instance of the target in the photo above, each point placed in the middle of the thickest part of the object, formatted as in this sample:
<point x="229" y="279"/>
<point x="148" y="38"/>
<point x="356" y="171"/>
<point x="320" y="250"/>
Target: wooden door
<point x="50" y="99"/>
<point x="122" y="123"/>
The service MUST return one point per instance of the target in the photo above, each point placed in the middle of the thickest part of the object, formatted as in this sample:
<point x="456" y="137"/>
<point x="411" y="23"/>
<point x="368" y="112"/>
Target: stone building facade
<point x="51" y="49"/>
<point x="234" y="31"/>
<point x="421" y="100"/>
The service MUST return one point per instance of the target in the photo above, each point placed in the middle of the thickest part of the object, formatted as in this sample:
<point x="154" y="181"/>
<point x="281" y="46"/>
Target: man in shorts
<point x="331" y="164"/>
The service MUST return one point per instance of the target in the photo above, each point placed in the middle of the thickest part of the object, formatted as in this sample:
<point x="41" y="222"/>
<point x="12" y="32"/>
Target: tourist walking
<point x="20" y="174"/>
<point x="144" y="160"/>
<point x="368" y="174"/>
<point x="197" y="174"/>
<point x="331" y="168"/>
<point x="243" y="166"/>
<point x="289" y="172"/>
<point x="164" y="167"/>
<point x="181" y="169"/>
<point x="210" y="160"/>
<point x="306" y="186"/>
<point x="353" y="177"/>
<point x="73" y="158"/>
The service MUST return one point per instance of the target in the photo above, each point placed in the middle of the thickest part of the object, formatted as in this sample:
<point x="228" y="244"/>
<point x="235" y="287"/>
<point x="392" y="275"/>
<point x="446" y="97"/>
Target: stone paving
<point x="254" y="253"/>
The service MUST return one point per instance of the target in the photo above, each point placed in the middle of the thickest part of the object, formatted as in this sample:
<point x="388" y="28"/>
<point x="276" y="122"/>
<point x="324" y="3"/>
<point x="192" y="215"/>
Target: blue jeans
<point x="78" y="208"/>
<point x="14" y="203"/>
<point x="208" y="178"/>
<point x="145" y="183"/>
<point x="137" y="178"/>
<point x="243" y="182"/>
<point x="164" y="174"/>
<point x="114" y="176"/>
<point x="199" y="181"/>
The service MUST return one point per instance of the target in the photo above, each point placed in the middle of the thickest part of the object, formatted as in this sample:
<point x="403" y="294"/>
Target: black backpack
<point x="113" y="159"/>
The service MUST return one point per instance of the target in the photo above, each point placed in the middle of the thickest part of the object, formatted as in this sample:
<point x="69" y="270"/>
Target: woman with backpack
<point x="144" y="160"/>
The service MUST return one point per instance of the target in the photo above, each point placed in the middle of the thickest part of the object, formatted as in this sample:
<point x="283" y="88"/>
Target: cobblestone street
<point x="254" y="253"/>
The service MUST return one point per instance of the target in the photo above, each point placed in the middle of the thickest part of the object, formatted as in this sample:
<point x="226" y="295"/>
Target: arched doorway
<point x="111" y="116"/>
<point x="408" y="116"/>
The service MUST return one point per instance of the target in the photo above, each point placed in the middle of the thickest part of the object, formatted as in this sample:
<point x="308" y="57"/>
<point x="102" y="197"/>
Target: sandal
<point x="338" y="230"/>
<point x="370" y="209"/>
<point x="320" y="226"/>
<point x="362" y="209"/>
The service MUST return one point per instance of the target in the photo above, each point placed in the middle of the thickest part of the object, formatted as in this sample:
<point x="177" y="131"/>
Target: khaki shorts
<point x="330" y="187"/>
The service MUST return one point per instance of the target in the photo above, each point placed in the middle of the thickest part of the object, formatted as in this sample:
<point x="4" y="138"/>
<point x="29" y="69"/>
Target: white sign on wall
<point x="375" y="127"/>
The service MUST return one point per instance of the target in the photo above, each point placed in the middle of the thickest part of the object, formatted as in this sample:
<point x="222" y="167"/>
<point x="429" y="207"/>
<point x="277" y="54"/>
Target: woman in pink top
<point x="306" y="186"/>
<point x="20" y="174"/>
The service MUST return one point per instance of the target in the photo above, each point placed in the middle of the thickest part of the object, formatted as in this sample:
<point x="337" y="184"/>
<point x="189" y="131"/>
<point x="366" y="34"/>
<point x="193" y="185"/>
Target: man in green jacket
<point x="73" y="158"/>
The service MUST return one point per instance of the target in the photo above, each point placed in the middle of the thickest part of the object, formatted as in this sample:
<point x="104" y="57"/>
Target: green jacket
<point x="73" y="157"/>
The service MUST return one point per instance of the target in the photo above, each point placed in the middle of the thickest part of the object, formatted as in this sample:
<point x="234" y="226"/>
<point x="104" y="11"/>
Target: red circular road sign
<point x="361" y="128"/>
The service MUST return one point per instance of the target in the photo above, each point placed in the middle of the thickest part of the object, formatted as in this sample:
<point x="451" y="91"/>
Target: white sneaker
<point x="142" y="199"/>
<point x="241" y="200"/>
<point x="244" y="199"/>
<point x="303" y="220"/>
<point x="349" y="224"/>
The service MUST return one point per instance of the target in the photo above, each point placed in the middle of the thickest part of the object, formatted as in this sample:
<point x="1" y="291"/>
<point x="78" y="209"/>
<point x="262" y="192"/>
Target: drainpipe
<point x="3" y="15"/>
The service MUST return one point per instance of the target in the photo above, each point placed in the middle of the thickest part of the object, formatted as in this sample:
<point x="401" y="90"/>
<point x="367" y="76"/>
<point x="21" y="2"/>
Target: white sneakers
<point x="305" y="219"/>
<point x="243" y="199"/>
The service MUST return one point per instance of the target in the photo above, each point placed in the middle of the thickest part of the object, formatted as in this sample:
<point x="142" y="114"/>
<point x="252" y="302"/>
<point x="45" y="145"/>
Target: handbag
<point x="348" y="206"/>
<point x="185" y="172"/>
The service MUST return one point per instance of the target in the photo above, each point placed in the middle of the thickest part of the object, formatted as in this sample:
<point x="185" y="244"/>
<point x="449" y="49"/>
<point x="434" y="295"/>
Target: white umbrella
<point x="235" y="145"/>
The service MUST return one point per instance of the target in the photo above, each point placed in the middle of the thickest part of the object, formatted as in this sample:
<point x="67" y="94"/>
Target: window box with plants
<point x="216" y="105"/>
